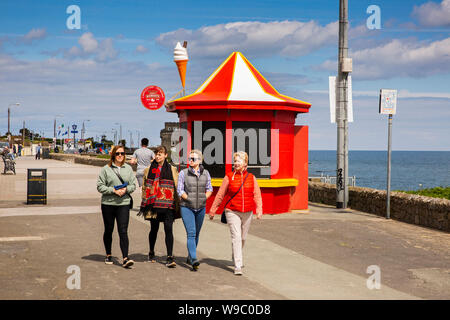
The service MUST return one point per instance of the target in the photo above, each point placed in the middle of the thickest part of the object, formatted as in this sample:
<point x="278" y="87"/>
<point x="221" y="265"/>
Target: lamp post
<point x="120" y="136"/>
<point x="54" y="127"/>
<point x="131" y="138"/>
<point x="9" y="121"/>
<point x="139" y="138"/>
<point x="83" y="130"/>
<point x="115" y="136"/>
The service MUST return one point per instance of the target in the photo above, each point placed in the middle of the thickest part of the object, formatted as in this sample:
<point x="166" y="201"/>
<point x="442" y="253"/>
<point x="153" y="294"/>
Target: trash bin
<point x="45" y="153"/>
<point x="37" y="186"/>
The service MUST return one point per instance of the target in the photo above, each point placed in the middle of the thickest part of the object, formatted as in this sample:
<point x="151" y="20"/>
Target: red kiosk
<point x="236" y="109"/>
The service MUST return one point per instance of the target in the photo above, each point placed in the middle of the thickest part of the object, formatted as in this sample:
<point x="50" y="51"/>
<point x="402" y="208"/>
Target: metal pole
<point x="341" y="112"/>
<point x="9" y="132"/>
<point x="23" y="136"/>
<point x="388" y="200"/>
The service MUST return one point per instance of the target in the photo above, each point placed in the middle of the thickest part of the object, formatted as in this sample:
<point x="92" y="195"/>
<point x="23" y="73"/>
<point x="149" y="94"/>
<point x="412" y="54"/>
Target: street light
<point x="9" y="121"/>
<point x="139" y="139"/>
<point x="120" y="137"/>
<point x="115" y="136"/>
<point x="131" y="138"/>
<point x="54" y="126"/>
<point x="83" y="130"/>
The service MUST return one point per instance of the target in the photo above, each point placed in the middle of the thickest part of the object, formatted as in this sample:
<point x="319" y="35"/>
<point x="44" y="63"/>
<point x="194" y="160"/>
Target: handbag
<point x="123" y="184"/>
<point x="223" y="217"/>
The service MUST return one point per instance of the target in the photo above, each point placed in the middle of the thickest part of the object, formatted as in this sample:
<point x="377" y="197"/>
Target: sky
<point x="97" y="72"/>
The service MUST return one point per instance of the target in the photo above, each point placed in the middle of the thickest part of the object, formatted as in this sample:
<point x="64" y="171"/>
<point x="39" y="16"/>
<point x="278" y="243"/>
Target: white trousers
<point x="239" y="223"/>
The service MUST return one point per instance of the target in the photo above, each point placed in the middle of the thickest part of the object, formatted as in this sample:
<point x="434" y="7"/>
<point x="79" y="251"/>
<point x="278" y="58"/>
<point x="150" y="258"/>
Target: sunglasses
<point x="120" y="153"/>
<point x="193" y="159"/>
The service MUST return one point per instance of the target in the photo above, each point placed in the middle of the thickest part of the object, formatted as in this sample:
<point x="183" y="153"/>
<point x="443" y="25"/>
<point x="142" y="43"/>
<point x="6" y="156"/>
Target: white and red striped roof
<point x="236" y="84"/>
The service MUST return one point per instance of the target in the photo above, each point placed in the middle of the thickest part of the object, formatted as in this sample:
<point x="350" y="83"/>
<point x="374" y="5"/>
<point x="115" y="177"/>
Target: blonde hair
<point x="198" y="153"/>
<point x="242" y="155"/>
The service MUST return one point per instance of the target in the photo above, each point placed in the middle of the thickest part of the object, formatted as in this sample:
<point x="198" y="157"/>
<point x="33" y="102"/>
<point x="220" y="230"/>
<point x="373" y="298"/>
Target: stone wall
<point x="82" y="159"/>
<point x="425" y="211"/>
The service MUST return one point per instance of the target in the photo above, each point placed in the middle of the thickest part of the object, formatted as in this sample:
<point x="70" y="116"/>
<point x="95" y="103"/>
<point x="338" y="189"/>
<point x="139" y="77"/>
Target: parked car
<point x="71" y="151"/>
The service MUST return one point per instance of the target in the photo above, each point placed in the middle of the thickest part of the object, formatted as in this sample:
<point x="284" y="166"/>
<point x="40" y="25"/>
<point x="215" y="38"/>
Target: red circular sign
<point x="152" y="97"/>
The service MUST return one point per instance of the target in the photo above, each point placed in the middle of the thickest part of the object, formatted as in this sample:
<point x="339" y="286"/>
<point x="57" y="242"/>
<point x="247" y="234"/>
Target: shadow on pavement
<point x="222" y="264"/>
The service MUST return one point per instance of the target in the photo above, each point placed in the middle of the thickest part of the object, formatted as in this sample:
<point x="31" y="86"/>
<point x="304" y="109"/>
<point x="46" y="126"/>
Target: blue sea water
<point x="410" y="170"/>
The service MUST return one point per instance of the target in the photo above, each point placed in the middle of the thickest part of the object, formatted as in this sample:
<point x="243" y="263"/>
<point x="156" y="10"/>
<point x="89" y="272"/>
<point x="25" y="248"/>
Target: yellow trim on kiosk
<point x="264" y="183"/>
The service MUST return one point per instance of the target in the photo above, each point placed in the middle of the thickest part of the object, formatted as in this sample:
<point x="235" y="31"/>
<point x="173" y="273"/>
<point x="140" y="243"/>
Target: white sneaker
<point x="238" y="272"/>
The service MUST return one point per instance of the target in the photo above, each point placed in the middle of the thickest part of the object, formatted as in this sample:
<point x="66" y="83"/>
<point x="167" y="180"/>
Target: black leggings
<point x="154" y="227"/>
<point x="122" y="214"/>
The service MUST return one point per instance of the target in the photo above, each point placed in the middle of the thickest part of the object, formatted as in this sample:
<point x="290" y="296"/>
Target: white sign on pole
<point x="388" y="101"/>
<point x="332" y="96"/>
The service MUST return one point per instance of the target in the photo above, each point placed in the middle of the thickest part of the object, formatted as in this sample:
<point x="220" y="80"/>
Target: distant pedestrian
<point x="20" y="150"/>
<point x="194" y="188"/>
<point x="14" y="150"/>
<point x="38" y="152"/>
<point x="160" y="202"/>
<point x="116" y="182"/>
<point x="143" y="157"/>
<point x="243" y="197"/>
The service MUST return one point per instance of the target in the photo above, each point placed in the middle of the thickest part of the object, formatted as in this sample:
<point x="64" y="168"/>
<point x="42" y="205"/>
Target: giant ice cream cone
<point x="181" y="58"/>
<point x="182" y="64"/>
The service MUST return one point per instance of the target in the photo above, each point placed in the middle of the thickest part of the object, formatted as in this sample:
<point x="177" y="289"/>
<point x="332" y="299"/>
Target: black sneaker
<point x="170" y="262"/>
<point x="127" y="263"/>
<point x="108" y="260"/>
<point x="151" y="257"/>
<point x="195" y="264"/>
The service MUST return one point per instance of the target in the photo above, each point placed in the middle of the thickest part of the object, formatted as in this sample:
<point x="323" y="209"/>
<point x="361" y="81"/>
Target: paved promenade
<point x="320" y="253"/>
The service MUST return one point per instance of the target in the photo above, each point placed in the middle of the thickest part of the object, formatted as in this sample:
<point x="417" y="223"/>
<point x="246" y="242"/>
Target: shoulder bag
<point x="124" y="184"/>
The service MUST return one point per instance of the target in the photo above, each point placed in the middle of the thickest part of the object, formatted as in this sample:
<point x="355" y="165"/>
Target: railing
<point x="332" y="180"/>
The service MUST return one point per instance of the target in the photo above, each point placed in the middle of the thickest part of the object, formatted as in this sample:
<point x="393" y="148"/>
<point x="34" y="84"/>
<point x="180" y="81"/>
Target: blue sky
<point x="98" y="71"/>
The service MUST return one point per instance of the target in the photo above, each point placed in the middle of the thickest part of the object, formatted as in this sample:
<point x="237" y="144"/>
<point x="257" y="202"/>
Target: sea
<point x="410" y="170"/>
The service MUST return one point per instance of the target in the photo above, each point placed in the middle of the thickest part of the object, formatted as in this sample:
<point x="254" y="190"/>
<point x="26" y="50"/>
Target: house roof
<point x="236" y="84"/>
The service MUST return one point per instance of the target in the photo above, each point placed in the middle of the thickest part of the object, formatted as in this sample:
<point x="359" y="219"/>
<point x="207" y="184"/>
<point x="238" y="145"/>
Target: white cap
<point x="180" y="53"/>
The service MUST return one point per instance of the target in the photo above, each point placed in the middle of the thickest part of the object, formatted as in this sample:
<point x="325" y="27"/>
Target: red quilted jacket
<point x="243" y="201"/>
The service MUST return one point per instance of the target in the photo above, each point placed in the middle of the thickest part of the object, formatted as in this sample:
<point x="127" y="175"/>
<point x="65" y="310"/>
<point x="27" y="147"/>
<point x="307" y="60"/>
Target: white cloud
<point x="88" y="42"/>
<point x="399" y="58"/>
<point x="285" y="38"/>
<point x="431" y="14"/>
<point x="141" y="49"/>
<point x="34" y="35"/>
<point x="89" y="47"/>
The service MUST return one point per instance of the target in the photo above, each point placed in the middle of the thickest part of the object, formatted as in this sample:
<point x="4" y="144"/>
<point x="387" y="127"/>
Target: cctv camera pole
<point x="341" y="112"/>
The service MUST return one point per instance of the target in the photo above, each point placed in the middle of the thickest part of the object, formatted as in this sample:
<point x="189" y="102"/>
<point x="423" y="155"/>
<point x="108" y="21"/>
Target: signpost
<point x="152" y="97"/>
<point x="388" y="105"/>
<point x="74" y="127"/>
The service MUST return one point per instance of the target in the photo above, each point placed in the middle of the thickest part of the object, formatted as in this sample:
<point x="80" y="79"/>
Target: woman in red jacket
<point x="241" y="187"/>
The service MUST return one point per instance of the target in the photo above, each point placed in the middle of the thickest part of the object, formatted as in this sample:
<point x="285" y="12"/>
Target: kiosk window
<point x="209" y="138"/>
<point x="254" y="138"/>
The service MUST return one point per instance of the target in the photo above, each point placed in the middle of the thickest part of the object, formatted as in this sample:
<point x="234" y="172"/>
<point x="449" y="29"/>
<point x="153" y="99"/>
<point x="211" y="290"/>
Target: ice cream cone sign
<point x="181" y="58"/>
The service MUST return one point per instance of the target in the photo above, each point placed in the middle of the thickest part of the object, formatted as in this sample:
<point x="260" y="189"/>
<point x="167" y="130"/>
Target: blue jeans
<point x="193" y="220"/>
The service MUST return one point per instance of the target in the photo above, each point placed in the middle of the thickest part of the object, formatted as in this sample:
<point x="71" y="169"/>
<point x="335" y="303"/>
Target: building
<point x="166" y="134"/>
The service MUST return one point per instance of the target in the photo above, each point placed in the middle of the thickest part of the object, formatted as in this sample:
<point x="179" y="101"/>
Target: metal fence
<point x="332" y="180"/>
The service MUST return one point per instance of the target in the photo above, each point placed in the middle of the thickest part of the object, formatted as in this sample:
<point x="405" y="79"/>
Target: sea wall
<point x="82" y="159"/>
<point x="425" y="211"/>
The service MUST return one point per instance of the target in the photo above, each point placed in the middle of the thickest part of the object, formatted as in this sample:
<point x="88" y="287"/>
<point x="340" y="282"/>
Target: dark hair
<point x="144" y="142"/>
<point x="161" y="149"/>
<point x="113" y="155"/>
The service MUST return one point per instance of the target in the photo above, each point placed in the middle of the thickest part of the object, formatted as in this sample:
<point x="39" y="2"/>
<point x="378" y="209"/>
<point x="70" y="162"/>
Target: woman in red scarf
<point x="160" y="201"/>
